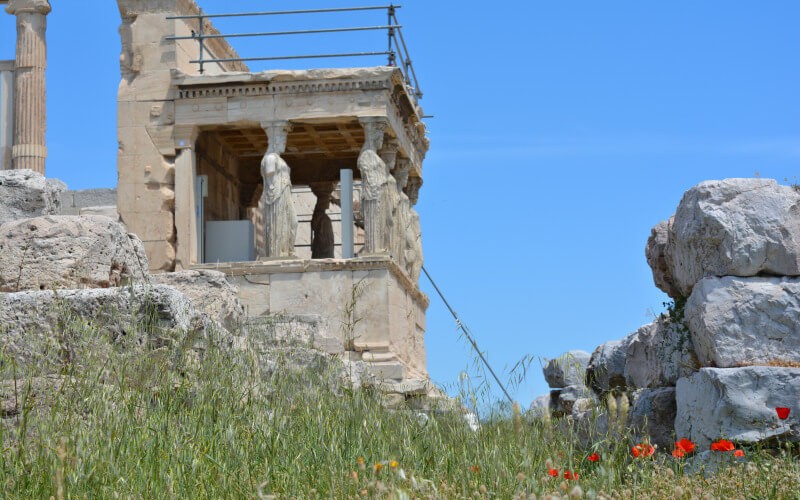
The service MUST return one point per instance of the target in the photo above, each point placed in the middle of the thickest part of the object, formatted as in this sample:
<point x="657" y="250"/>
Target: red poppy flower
<point x="643" y="450"/>
<point x="552" y="472"/>
<point x="783" y="413"/>
<point x="685" y="445"/>
<point x="594" y="457"/>
<point x="722" y="445"/>
<point x="569" y="475"/>
<point x="678" y="453"/>
<point x="738" y="453"/>
<point x="474" y="468"/>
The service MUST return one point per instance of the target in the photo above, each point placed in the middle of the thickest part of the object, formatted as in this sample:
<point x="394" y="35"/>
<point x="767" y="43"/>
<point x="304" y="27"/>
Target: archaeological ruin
<point x="299" y="185"/>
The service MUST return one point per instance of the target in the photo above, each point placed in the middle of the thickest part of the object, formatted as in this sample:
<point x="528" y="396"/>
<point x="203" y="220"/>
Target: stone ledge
<point x="284" y="266"/>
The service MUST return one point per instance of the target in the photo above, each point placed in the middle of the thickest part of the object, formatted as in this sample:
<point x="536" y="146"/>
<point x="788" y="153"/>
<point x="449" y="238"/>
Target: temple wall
<point x="6" y="113"/>
<point x="146" y="117"/>
<point x="222" y="168"/>
<point x="388" y="310"/>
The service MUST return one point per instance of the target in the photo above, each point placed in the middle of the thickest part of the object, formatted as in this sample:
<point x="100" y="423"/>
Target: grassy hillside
<point x="225" y="423"/>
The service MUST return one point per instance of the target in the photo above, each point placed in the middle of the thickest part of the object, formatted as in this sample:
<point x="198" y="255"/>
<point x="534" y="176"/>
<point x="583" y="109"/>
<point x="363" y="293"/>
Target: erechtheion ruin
<point x="253" y="173"/>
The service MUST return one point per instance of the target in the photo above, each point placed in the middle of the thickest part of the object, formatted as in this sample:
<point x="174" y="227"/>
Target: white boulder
<point x="734" y="227"/>
<point x="606" y="369"/>
<point x="652" y="416"/>
<point x="738" y="404"/>
<point x="68" y="251"/>
<point x="745" y="321"/>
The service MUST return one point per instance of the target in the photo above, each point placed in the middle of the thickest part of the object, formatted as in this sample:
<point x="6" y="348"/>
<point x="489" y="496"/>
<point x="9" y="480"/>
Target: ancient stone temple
<point x="251" y="173"/>
<point x="22" y="89"/>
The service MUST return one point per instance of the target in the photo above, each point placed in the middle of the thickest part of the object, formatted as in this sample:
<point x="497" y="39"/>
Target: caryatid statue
<point x="413" y="255"/>
<point x="280" y="221"/>
<point x="401" y="212"/>
<point x="376" y="197"/>
<point x="30" y="115"/>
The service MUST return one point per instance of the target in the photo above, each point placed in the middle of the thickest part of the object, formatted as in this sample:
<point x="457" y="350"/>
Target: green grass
<point x="174" y="423"/>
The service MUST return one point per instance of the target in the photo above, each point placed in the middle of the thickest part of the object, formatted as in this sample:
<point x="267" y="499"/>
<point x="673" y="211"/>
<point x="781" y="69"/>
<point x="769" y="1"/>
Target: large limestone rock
<point x="210" y="293"/>
<point x="652" y="415"/>
<point x="656" y="254"/>
<point x="738" y="404"/>
<point x="567" y="369"/>
<point x="658" y="354"/>
<point x="25" y="193"/>
<point x="745" y="321"/>
<point x="606" y="369"/>
<point x="734" y="227"/>
<point x="47" y="326"/>
<point x="65" y="251"/>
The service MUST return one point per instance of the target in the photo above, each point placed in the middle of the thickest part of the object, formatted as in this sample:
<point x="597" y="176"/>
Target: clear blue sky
<point x="563" y="132"/>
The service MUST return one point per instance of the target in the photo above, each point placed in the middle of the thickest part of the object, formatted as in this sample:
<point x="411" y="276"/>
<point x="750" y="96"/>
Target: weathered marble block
<point x="737" y="404"/>
<point x="68" y="251"/>
<point x="25" y="193"/>
<point x="744" y="321"/>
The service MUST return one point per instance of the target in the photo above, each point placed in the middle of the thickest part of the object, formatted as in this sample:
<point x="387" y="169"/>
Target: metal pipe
<point x="278" y="58"/>
<point x="346" y="182"/>
<point x="281" y="12"/>
<point x="200" y="32"/>
<point x="273" y="33"/>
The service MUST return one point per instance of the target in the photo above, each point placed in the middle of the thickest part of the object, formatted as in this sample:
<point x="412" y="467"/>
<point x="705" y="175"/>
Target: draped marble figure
<point x="280" y="221"/>
<point x="376" y="195"/>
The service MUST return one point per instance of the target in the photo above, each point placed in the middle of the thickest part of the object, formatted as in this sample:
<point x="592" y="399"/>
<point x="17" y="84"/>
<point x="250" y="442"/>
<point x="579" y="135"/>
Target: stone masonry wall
<point x="145" y="116"/>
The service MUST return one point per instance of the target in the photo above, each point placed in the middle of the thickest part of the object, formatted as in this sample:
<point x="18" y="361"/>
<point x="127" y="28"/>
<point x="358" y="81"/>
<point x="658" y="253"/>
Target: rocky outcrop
<point x="209" y="292"/>
<point x="567" y="369"/>
<point x="734" y="227"/>
<point x="745" y="321"/>
<point x="738" y="404"/>
<point x="25" y="193"/>
<point x="658" y="354"/>
<point x="46" y="326"/>
<point x="64" y="251"/>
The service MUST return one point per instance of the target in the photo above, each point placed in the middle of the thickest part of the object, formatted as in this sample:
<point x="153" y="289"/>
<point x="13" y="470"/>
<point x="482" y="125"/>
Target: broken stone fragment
<point x="25" y="193"/>
<point x="567" y="369"/>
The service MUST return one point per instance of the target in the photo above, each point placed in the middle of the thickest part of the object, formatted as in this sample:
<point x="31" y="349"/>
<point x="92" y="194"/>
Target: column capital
<point x="185" y="136"/>
<point x="373" y="131"/>
<point x="16" y="7"/>
<point x="277" y="134"/>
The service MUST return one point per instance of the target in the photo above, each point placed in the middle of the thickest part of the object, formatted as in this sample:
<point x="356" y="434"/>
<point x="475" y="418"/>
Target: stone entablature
<point x="317" y="94"/>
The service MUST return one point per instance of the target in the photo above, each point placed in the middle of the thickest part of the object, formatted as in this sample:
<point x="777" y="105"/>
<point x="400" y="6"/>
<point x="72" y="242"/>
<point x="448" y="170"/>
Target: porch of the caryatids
<point x="376" y="195"/>
<point x="30" y="112"/>
<point x="280" y="220"/>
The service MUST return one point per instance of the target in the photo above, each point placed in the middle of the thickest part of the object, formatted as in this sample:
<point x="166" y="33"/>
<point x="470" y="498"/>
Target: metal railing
<point x="397" y="50"/>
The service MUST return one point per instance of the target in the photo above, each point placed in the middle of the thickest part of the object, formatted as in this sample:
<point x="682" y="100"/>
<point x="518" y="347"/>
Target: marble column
<point x="186" y="223"/>
<point x="322" y="240"/>
<point x="280" y="220"/>
<point x="375" y="196"/>
<point x="30" y="117"/>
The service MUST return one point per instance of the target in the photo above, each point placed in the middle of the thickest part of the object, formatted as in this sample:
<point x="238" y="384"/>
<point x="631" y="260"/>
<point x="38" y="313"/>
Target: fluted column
<point x="29" y="150"/>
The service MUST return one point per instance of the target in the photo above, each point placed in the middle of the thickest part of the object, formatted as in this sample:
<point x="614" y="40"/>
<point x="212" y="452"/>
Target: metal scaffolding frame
<point x="397" y="50"/>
